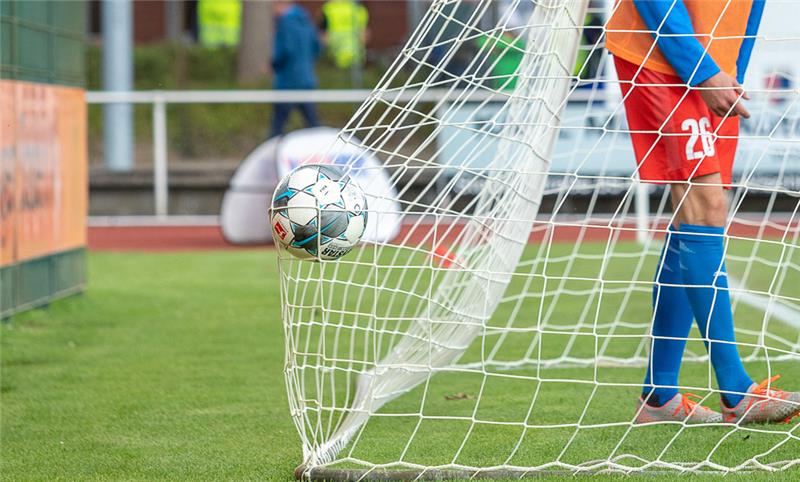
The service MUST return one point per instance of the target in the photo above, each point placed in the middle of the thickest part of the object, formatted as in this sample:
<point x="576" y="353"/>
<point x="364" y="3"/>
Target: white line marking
<point x="147" y="220"/>
<point x="775" y="308"/>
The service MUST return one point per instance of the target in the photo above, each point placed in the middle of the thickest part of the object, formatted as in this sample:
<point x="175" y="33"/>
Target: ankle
<point x="657" y="398"/>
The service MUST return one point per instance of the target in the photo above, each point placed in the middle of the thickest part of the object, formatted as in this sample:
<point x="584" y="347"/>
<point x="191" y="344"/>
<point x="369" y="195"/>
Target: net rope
<point x="507" y="326"/>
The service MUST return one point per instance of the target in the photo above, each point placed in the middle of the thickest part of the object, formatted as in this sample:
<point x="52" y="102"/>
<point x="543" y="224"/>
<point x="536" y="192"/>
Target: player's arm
<point x="753" y="22"/>
<point x="675" y="36"/>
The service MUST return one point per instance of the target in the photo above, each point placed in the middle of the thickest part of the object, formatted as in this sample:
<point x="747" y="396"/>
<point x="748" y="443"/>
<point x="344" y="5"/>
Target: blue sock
<point x="703" y="269"/>
<point x="672" y="318"/>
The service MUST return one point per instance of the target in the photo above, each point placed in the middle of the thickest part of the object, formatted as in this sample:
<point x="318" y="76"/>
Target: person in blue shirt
<point x="295" y="51"/>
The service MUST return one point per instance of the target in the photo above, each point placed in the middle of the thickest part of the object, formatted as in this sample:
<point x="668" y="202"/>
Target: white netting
<point x="508" y="325"/>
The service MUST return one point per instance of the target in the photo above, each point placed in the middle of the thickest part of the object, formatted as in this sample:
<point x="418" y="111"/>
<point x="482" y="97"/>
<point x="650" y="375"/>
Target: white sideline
<point x="139" y="221"/>
<point x="783" y="312"/>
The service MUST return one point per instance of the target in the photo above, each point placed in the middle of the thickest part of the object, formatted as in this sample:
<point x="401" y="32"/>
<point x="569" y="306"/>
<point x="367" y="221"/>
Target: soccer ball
<point x="318" y="212"/>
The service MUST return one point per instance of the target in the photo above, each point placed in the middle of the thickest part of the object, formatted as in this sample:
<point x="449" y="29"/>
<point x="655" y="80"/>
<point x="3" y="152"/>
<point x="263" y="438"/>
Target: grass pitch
<point x="170" y="366"/>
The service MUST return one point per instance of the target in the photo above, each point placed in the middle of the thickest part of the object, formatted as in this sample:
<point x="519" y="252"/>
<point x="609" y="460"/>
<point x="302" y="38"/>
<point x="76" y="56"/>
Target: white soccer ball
<point x="318" y="212"/>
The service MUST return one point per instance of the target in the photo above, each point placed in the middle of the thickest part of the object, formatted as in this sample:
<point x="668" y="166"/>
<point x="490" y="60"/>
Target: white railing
<point x="160" y="98"/>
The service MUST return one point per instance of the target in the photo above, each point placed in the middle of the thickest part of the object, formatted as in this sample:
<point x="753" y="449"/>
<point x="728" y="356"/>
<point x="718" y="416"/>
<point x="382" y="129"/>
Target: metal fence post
<point x="642" y="207"/>
<point x="117" y="19"/>
<point x="160" y="168"/>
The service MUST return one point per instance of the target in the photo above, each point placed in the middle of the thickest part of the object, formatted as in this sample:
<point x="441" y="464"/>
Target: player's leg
<point x="647" y="106"/>
<point x="309" y="112"/>
<point x="280" y="114"/>
<point x="672" y="321"/>
<point x="702" y="208"/>
<point x="702" y="201"/>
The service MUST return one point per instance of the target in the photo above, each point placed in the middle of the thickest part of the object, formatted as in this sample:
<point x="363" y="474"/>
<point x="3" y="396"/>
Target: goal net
<point x="505" y="330"/>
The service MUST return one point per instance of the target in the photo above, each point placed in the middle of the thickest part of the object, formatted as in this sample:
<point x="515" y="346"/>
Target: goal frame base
<point x="321" y="474"/>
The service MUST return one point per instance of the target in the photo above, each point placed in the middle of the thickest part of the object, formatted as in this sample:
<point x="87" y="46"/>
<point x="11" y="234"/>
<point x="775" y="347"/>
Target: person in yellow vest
<point x="344" y="23"/>
<point x="219" y="22"/>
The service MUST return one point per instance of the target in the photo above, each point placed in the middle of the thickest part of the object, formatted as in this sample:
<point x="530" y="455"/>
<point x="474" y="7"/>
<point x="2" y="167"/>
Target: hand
<point x="722" y="94"/>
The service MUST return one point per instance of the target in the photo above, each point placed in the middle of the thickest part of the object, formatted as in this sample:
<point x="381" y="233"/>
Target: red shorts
<point x="675" y="135"/>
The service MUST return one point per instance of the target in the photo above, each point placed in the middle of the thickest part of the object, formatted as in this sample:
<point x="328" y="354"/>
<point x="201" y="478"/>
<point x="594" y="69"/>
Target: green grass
<point x="559" y="395"/>
<point x="170" y="366"/>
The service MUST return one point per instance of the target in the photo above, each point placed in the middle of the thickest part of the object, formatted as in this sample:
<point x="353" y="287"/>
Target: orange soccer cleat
<point x="764" y="404"/>
<point x="680" y="409"/>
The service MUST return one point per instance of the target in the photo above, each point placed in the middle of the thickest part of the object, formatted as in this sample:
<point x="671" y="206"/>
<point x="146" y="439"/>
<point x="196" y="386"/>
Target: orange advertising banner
<point x="44" y="170"/>
<point x="73" y="176"/>
<point x="8" y="165"/>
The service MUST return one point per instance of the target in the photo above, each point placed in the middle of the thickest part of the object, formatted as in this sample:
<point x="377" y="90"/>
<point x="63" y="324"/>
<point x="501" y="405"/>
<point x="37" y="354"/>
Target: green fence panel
<point x="8" y="297"/>
<point x="69" y="272"/>
<point x="38" y="281"/>
<point x="43" y="41"/>
<point x="34" y="282"/>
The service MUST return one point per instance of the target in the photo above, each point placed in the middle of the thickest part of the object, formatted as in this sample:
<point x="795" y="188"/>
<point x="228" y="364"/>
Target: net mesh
<point x="507" y="326"/>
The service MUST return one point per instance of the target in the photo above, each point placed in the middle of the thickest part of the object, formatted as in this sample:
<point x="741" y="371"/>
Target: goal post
<point x="504" y="332"/>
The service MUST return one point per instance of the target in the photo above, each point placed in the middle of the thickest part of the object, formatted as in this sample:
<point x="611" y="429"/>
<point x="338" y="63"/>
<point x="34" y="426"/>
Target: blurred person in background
<point x="504" y="48"/>
<point x="591" y="50"/>
<point x="219" y="22"/>
<point x="295" y="51"/>
<point x="344" y="25"/>
<point x="448" y="52"/>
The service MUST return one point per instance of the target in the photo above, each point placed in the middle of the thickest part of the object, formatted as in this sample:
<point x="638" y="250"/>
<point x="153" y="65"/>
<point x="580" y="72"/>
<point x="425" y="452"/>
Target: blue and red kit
<point x="662" y="50"/>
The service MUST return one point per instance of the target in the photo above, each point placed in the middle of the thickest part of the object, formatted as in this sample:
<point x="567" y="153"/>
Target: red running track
<point x="159" y="238"/>
<point x="197" y="238"/>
